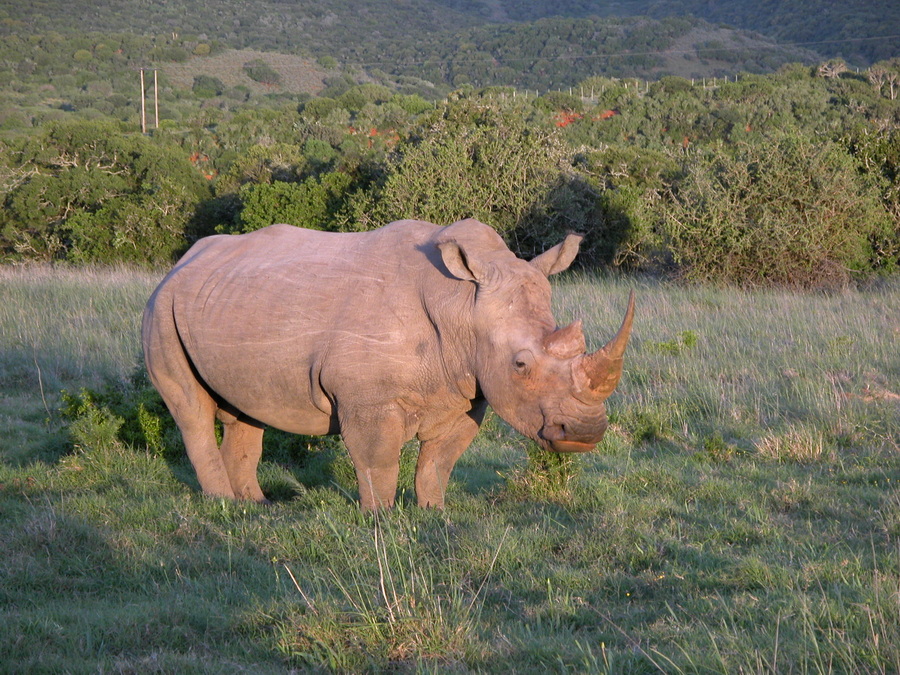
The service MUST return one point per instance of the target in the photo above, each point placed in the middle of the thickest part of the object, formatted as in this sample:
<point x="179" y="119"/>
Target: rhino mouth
<point x="554" y="437"/>
<point x="571" y="446"/>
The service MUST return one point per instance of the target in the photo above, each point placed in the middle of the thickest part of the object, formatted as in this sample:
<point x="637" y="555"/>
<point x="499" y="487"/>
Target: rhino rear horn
<point x="567" y="342"/>
<point x="599" y="372"/>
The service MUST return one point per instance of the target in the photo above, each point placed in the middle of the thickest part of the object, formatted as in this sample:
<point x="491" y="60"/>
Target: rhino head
<point x="536" y="376"/>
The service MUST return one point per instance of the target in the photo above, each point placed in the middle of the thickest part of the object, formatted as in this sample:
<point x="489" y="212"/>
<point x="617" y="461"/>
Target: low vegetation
<point x="740" y="516"/>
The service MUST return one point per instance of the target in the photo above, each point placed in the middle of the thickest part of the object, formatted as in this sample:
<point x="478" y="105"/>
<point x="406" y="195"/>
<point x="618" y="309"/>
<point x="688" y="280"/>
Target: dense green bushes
<point x="790" y="211"/>
<point x="313" y="203"/>
<point x="88" y="192"/>
<point x="789" y="179"/>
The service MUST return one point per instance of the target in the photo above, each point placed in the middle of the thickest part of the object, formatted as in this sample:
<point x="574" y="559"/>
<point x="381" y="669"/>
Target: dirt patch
<point x="706" y="49"/>
<point x="298" y="75"/>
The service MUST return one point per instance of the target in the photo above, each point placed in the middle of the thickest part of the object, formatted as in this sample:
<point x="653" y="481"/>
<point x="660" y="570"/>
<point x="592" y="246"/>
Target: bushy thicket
<point x="784" y="179"/>
<point x="792" y="211"/>
<point x="92" y="192"/>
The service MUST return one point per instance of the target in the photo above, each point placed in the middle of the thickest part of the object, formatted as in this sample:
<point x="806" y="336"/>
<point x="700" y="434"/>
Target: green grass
<point x="742" y="514"/>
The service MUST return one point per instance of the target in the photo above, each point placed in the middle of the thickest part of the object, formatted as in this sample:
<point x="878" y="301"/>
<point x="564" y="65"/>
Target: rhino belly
<point x="267" y="387"/>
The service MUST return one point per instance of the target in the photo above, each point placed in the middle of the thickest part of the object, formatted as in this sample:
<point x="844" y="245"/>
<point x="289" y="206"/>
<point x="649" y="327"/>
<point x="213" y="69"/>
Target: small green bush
<point x="313" y="203"/>
<point x="132" y="413"/>
<point x="260" y="71"/>
<point x="206" y="86"/>
<point x="92" y="425"/>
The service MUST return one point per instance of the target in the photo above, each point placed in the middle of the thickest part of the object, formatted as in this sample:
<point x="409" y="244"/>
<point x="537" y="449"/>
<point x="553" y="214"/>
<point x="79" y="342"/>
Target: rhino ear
<point x="459" y="264"/>
<point x="559" y="257"/>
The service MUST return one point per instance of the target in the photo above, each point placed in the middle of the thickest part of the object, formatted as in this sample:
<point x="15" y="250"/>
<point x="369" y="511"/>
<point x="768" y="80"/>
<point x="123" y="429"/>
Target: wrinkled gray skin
<point x="406" y="331"/>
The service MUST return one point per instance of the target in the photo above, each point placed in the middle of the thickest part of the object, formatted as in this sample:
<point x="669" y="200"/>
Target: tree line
<point x="790" y="178"/>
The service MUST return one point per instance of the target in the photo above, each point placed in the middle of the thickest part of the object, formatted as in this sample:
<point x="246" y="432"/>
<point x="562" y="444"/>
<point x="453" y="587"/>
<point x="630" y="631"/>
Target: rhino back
<point x="282" y="321"/>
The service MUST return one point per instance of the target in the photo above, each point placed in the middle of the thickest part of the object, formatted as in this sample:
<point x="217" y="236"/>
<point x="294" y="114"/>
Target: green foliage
<point x="263" y="164"/>
<point x="90" y="193"/>
<point x="623" y="165"/>
<point x="314" y="203"/>
<point x="91" y="425"/>
<point x="475" y="159"/>
<point x="318" y="109"/>
<point x="260" y="71"/>
<point x="792" y="211"/>
<point x="319" y="153"/>
<point x="686" y="340"/>
<point x="131" y="413"/>
<point x="206" y="86"/>
<point x="555" y="101"/>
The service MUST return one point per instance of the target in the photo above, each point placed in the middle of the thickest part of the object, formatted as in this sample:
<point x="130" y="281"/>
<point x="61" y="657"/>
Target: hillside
<point x="375" y="31"/>
<point x="559" y="52"/>
<point x="860" y="31"/>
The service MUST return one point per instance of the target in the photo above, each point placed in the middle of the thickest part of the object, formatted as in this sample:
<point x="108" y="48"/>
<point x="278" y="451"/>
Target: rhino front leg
<point x="438" y="456"/>
<point x="374" y="439"/>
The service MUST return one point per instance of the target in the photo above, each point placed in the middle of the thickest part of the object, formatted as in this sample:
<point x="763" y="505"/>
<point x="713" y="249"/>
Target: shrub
<point x="260" y="71"/>
<point x="313" y="203"/>
<point x="206" y="86"/>
<point x="132" y="413"/>
<point x="792" y="212"/>
<point x="474" y="159"/>
<point x="92" y="193"/>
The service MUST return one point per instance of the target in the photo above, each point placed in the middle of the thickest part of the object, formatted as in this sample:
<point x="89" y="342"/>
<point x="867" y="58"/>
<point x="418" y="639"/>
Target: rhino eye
<point x="523" y="362"/>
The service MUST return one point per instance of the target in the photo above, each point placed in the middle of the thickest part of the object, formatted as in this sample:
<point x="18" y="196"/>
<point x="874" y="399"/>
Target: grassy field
<point x="742" y="515"/>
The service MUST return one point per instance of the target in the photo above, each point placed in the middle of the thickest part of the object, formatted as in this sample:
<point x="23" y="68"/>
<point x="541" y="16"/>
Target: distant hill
<point x="861" y="31"/>
<point x="558" y="52"/>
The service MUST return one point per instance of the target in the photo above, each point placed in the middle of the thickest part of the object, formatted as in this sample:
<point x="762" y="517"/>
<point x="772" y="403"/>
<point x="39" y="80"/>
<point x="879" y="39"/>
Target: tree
<point x="833" y="68"/>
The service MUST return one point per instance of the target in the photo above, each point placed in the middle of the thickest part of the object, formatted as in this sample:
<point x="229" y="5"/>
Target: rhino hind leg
<point x="194" y="411"/>
<point x="191" y="405"/>
<point x="241" y="450"/>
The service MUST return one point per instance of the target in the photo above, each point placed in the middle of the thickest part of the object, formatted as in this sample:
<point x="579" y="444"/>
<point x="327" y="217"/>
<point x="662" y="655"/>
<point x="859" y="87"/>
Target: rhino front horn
<point x="599" y="373"/>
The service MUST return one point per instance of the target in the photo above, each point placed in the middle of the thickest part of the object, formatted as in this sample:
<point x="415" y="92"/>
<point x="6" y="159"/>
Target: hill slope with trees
<point x="791" y="178"/>
<point x="859" y="32"/>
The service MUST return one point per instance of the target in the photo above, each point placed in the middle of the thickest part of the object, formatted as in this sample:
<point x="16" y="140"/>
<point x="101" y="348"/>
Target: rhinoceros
<point x="410" y="330"/>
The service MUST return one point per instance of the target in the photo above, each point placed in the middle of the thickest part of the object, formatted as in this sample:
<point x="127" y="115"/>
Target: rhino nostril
<point x="553" y="432"/>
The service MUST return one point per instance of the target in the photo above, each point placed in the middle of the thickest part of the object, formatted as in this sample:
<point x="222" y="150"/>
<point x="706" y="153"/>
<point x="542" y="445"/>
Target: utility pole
<point x="144" y="101"/>
<point x="143" y="106"/>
